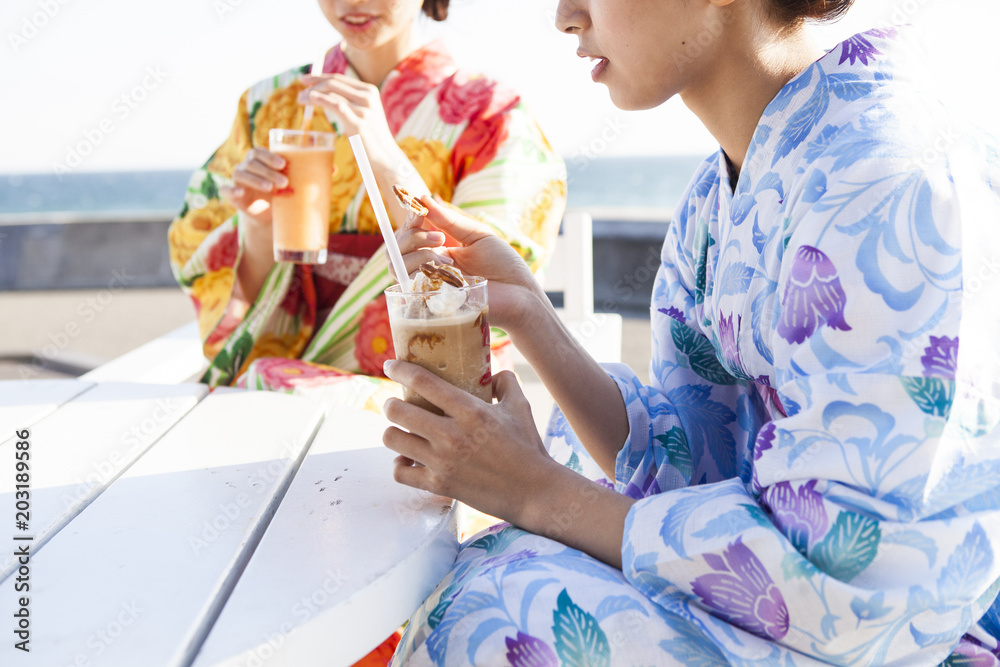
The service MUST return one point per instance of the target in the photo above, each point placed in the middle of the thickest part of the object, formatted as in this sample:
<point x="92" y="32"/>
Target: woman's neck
<point x="755" y="66"/>
<point x="374" y="64"/>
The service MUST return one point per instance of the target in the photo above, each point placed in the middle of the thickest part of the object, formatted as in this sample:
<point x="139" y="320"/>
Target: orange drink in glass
<point x="301" y="211"/>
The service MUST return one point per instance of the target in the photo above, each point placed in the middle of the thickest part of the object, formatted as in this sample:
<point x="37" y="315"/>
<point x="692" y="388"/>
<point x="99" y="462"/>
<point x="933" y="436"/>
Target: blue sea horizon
<point x="650" y="183"/>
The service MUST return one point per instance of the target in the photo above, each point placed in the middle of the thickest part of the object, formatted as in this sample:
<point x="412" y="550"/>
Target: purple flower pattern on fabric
<point x="858" y="48"/>
<point x="727" y="339"/>
<point x="527" y="651"/>
<point x="813" y="296"/>
<point x="800" y="514"/>
<point x="742" y="592"/>
<point x="674" y="313"/>
<point x="941" y="357"/>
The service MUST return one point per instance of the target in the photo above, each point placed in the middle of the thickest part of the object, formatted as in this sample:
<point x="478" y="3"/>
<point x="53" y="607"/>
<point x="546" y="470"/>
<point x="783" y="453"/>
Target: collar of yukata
<point x="430" y="61"/>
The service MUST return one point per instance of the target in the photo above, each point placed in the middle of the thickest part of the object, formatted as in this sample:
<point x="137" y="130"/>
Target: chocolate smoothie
<point x="444" y="327"/>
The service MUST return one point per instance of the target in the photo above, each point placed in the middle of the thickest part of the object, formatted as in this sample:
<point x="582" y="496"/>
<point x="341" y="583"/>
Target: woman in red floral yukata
<point x="427" y="125"/>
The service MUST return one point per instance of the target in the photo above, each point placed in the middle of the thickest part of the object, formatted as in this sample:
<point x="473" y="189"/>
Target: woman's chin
<point x="630" y="100"/>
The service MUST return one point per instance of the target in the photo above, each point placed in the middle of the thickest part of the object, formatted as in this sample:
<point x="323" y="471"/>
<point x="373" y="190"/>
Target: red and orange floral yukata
<point x="475" y="146"/>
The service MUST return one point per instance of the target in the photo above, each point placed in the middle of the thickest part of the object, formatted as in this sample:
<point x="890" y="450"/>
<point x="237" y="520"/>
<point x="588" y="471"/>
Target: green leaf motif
<point x="795" y="566"/>
<point x="438" y="612"/>
<point x="932" y="395"/>
<point x="209" y="187"/>
<point x="580" y="642"/>
<point x="700" y="352"/>
<point x="253" y="117"/>
<point x="849" y="547"/>
<point x="702" y="242"/>
<point x="675" y="443"/>
<point x="495" y="543"/>
<point x="574" y="463"/>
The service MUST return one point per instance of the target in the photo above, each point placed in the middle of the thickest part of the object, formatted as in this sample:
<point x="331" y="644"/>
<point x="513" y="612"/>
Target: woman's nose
<point x="571" y="16"/>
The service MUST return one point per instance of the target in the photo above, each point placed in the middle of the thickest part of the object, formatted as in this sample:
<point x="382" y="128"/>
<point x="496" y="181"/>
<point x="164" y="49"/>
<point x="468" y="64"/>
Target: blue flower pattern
<point x="817" y="461"/>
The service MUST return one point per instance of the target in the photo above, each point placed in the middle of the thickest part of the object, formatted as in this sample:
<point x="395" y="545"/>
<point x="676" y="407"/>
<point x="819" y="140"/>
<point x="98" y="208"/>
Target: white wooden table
<point x="169" y="526"/>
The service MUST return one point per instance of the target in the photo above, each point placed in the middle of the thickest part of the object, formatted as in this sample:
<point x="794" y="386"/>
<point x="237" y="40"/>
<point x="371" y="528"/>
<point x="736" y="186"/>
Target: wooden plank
<point x="141" y="574"/>
<point x="355" y="554"/>
<point x="24" y="402"/>
<point x="78" y="451"/>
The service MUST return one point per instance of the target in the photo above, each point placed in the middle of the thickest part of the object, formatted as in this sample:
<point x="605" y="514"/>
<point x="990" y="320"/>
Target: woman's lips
<point x="358" y="22"/>
<point x="598" y="68"/>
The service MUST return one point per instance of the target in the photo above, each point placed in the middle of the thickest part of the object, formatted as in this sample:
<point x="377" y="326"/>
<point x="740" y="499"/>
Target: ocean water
<point x="653" y="183"/>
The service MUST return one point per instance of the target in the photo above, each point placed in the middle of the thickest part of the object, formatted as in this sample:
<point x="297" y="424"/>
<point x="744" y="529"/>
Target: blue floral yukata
<point x="817" y="462"/>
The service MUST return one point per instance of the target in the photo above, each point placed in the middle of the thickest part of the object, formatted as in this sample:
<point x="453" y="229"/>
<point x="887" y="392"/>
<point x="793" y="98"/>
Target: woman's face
<point x="646" y="50"/>
<point x="369" y="24"/>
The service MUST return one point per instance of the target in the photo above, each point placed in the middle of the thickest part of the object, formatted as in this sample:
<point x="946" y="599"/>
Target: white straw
<point x="307" y="115"/>
<point x="380" y="213"/>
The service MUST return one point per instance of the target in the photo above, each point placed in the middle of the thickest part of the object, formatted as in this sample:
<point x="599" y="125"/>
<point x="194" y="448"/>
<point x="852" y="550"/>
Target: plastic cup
<point x="301" y="211"/>
<point x="455" y="346"/>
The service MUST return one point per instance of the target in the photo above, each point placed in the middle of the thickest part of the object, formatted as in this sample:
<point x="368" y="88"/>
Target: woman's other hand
<point x="514" y="294"/>
<point x="489" y="456"/>
<point x="357" y="107"/>
<point x="254" y="181"/>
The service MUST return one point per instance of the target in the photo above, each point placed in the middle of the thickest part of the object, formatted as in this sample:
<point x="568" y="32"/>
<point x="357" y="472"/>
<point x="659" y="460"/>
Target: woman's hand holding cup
<point x="255" y="180"/>
<point x="514" y="294"/>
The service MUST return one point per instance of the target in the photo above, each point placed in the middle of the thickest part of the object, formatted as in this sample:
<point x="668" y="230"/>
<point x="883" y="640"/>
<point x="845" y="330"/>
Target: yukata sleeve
<point x="868" y="531"/>
<point x="508" y="176"/>
<point x="693" y="423"/>
<point x="204" y="239"/>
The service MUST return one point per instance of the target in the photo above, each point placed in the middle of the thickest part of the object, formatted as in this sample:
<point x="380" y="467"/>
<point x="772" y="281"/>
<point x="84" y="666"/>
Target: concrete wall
<point x="131" y="251"/>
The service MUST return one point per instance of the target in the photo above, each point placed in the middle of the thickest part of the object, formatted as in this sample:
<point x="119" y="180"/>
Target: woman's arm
<point x="584" y="391"/>
<point x="358" y="108"/>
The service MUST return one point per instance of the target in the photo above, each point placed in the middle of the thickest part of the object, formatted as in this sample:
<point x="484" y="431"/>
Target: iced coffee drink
<point x="301" y="211"/>
<point x="443" y="325"/>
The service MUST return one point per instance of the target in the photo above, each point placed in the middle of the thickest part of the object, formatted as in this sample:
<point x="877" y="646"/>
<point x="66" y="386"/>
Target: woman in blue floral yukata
<point x="814" y="474"/>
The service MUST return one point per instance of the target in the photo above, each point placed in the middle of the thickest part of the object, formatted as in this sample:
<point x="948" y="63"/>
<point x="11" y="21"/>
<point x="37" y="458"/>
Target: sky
<point x="107" y="85"/>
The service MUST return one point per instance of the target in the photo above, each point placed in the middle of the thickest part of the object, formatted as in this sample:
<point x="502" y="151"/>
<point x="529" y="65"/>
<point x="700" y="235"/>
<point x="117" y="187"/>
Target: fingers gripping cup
<point x="301" y="211"/>
<point x="443" y="325"/>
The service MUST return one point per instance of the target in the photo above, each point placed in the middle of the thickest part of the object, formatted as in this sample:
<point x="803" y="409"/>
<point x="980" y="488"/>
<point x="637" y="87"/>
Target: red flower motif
<point x="373" y="343"/>
<point x="479" y="144"/>
<point x="411" y="81"/>
<point x="401" y="95"/>
<point x="223" y="253"/>
<point x="461" y="99"/>
<point x="431" y="61"/>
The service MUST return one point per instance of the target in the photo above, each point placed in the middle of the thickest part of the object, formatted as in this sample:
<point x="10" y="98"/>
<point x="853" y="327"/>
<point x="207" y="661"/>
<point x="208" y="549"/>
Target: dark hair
<point x="436" y="9"/>
<point x="794" y="11"/>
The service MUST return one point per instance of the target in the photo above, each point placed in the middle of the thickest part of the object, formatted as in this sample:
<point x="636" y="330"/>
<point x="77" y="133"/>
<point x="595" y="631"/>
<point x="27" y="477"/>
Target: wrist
<point x="543" y="499"/>
<point x="533" y="319"/>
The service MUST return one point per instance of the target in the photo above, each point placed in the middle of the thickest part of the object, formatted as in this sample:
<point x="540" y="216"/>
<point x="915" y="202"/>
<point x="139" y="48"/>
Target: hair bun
<point x="436" y="9"/>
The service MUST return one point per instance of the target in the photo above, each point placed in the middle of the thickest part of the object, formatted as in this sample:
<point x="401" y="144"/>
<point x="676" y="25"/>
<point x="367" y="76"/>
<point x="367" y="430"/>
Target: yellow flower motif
<point x="540" y="220"/>
<point x="288" y="346"/>
<point x="346" y="182"/>
<point x="187" y="233"/>
<point x="213" y="291"/>
<point x="283" y="110"/>
<point x="432" y="160"/>
<point x="235" y="148"/>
